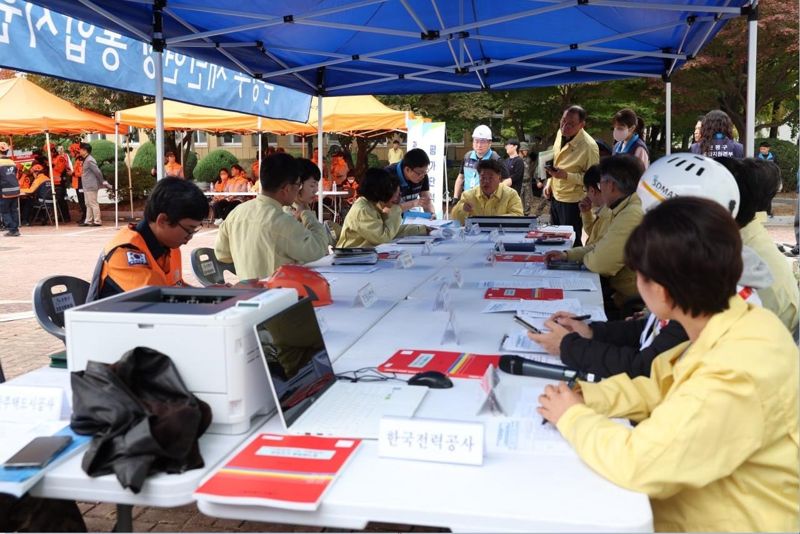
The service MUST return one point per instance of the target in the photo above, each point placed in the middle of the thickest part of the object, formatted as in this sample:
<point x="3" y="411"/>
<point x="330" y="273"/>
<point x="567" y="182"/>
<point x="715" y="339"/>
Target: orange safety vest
<point x="77" y="170"/>
<point x="133" y="266"/>
<point x="60" y="166"/>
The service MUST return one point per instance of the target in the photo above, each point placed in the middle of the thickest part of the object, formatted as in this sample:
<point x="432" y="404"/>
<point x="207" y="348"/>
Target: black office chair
<point x="49" y="305"/>
<point x="208" y="269"/>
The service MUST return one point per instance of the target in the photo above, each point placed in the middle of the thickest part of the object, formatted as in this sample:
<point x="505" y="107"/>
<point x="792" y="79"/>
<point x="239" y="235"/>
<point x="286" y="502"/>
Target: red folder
<point x="538" y="258"/>
<point x="453" y="364"/>
<point x="281" y="471"/>
<point x="391" y="255"/>
<point x="526" y="293"/>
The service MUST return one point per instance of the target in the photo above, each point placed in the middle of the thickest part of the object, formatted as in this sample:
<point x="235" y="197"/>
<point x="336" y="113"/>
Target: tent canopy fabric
<point x="180" y="116"/>
<point x="26" y="108"/>
<point x="346" y="47"/>
<point x="355" y="115"/>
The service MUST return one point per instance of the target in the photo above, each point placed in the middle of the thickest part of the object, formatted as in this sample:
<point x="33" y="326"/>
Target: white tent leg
<point x="159" y="58"/>
<point x="668" y="119"/>
<point x="752" y="45"/>
<point x="116" y="174"/>
<point x="128" y="166"/>
<point x="320" y="157"/>
<point x="52" y="178"/>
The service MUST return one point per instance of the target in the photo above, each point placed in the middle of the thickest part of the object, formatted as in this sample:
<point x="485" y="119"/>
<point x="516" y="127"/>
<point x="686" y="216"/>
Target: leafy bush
<point x="103" y="151"/>
<point x="189" y="165"/>
<point x="142" y="182"/>
<point x="786" y="155"/>
<point x="207" y="169"/>
<point x="107" y="168"/>
<point x="145" y="157"/>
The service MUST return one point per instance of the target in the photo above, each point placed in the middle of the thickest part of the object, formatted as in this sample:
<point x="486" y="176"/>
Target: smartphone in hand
<point x="526" y="324"/>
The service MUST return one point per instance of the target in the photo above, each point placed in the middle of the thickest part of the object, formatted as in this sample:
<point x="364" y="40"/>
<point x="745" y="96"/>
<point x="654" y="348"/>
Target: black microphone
<point x="517" y="365"/>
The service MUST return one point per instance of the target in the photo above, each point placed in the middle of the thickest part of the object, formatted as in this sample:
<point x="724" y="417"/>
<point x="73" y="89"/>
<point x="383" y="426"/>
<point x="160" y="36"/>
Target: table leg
<point x="124" y="518"/>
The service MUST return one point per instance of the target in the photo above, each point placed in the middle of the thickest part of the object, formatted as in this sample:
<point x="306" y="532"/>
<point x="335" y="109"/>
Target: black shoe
<point x="95" y="224"/>
<point x="12" y="233"/>
<point x="83" y="224"/>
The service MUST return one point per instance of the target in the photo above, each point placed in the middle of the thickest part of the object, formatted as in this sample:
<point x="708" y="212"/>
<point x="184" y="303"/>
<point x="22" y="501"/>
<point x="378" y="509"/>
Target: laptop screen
<point x="295" y="355"/>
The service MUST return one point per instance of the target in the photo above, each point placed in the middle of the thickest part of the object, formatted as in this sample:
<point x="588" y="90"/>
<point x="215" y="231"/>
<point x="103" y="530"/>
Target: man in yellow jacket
<point x="716" y="444"/>
<point x="595" y="216"/>
<point x="489" y="197"/>
<point x="258" y="236"/>
<point x="619" y="176"/>
<point x="574" y="151"/>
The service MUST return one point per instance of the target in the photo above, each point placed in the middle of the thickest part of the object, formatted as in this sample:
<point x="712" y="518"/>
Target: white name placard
<point x="431" y="440"/>
<point x="30" y="403"/>
<point x="405" y="260"/>
<point x="494" y="236"/>
<point x="458" y="278"/>
<point x="366" y="296"/>
<point x="427" y="248"/>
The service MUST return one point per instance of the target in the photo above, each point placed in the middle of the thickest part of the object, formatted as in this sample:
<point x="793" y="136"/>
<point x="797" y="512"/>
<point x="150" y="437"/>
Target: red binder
<point x="545" y="234"/>
<point x="453" y="364"/>
<point x="538" y="258"/>
<point x="281" y="471"/>
<point x="526" y="293"/>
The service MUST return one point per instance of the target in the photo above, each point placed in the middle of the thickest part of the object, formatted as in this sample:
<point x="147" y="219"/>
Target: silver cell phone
<point x="527" y="325"/>
<point x="38" y="452"/>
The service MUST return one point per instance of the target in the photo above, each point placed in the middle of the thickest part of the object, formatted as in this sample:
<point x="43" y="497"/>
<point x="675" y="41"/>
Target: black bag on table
<point x="141" y="415"/>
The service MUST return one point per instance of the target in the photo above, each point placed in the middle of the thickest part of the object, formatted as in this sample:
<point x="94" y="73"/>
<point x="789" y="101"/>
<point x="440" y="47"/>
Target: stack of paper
<point x="355" y="256"/>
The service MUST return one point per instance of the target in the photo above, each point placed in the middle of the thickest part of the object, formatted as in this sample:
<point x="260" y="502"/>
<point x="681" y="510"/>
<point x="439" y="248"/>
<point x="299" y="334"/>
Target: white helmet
<point x="680" y="175"/>
<point x="482" y="132"/>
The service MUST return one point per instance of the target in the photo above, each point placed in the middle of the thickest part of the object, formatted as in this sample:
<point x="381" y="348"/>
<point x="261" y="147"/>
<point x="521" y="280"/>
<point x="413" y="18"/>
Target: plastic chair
<point x="208" y="269"/>
<point x="49" y="306"/>
<point x="44" y="201"/>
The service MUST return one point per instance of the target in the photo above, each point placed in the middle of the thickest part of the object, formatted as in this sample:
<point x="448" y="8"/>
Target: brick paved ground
<point x="45" y="251"/>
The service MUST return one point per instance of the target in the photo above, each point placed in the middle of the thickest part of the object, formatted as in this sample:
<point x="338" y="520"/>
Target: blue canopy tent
<point x="350" y="47"/>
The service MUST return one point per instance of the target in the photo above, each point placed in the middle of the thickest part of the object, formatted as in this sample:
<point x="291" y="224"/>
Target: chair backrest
<point x="207" y="268"/>
<point x="43" y="192"/>
<point x="54" y="295"/>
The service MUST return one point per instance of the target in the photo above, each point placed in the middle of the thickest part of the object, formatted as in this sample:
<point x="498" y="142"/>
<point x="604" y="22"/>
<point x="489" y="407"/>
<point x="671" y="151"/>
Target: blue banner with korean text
<point x="34" y="39"/>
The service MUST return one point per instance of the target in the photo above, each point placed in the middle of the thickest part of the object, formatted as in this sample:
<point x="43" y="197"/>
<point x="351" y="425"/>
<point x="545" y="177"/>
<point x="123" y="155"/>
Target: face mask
<point x="620" y="134"/>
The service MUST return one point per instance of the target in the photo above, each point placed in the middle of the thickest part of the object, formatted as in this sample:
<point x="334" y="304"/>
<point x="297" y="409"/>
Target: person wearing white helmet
<point x="481" y="150"/>
<point x="574" y="151"/>
<point x="685" y="174"/>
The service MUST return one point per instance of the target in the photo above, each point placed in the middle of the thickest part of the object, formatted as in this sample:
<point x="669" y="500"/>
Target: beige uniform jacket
<point x="595" y="224"/>
<point x="574" y="158"/>
<point x="258" y="237"/>
<point x="504" y="201"/>
<point x="367" y="226"/>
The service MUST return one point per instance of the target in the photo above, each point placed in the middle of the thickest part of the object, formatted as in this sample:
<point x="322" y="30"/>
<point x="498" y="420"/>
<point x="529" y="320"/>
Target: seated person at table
<point x="594" y="214"/>
<point x="258" y="236"/>
<point x="412" y="173"/>
<point x="489" y="198"/>
<point x="619" y="177"/>
<point x="309" y="187"/>
<point x="753" y="179"/>
<point x="716" y="444"/>
<point x="148" y="253"/>
<point x="220" y="205"/>
<point x="376" y="217"/>
<point x="29" y="193"/>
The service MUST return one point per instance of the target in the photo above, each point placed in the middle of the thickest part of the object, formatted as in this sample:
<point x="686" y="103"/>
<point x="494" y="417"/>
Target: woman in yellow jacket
<point x="716" y="444"/>
<point x="376" y="217"/>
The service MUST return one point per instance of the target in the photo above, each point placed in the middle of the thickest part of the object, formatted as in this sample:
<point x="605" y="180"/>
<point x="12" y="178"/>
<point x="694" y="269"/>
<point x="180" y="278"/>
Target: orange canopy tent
<point x="26" y="108"/>
<point x="362" y="116"/>
<point x="180" y="116"/>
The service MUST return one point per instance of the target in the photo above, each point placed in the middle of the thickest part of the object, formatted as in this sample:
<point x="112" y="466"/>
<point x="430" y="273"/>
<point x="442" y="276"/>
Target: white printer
<point x="207" y="332"/>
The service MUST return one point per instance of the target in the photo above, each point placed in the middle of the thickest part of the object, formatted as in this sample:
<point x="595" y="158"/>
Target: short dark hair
<point x="177" y="199"/>
<point x="87" y="147"/>
<point x="395" y="142"/>
<point x="748" y="190"/>
<point x="626" y="117"/>
<point x="237" y="167"/>
<point x="169" y="153"/>
<point x="692" y="247"/>
<point x="764" y="143"/>
<point x="378" y="185"/>
<point x="577" y="109"/>
<point x="491" y="165"/>
<point x="414" y="158"/>
<point x="277" y="170"/>
<point x="513" y="141"/>
<point x="768" y="180"/>
<point x="224" y="169"/>
<point x="591" y="178"/>
<point x="626" y="170"/>
<point x="307" y="169"/>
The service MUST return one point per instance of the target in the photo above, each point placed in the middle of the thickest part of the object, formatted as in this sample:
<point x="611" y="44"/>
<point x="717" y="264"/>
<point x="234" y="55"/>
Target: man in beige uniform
<point x="574" y="151"/>
<point x="258" y="236"/>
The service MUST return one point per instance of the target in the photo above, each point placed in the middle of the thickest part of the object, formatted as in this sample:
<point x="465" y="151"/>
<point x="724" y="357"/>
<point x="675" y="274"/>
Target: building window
<point x="231" y="139"/>
<point x="270" y="139"/>
<point x="200" y="138"/>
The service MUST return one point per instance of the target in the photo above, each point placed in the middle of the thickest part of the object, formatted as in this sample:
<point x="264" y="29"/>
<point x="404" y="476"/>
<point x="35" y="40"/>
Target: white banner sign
<point x="429" y="136"/>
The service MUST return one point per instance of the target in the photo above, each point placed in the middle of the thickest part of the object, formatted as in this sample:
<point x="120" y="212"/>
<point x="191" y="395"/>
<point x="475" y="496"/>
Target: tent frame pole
<point x="752" y="50"/>
<point x="668" y="117"/>
<point x="320" y="157"/>
<point x="128" y="166"/>
<point x="158" y="58"/>
<point x="116" y="174"/>
<point x="52" y="178"/>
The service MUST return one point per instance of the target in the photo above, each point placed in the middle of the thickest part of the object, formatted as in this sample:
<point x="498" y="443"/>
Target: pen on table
<point x="570" y="385"/>
<point x="580" y="317"/>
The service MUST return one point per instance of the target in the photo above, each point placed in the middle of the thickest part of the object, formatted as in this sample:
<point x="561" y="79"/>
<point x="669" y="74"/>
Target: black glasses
<point x="190" y="231"/>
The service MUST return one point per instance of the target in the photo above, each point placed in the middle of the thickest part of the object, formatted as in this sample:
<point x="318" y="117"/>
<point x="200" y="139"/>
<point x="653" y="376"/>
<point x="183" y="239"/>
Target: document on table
<point x="346" y="269"/>
<point x="537" y="308"/>
<point x="566" y="284"/>
<point x="519" y="343"/>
